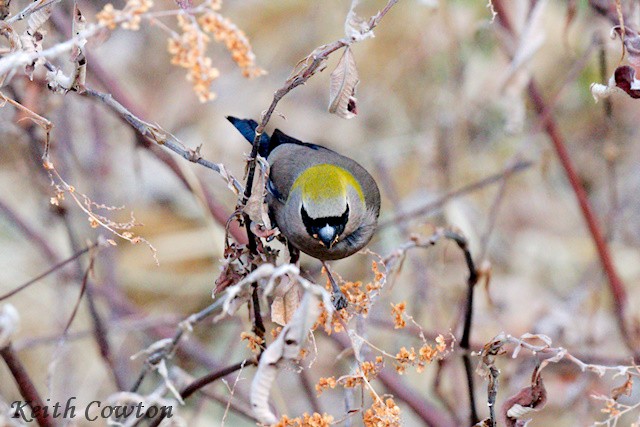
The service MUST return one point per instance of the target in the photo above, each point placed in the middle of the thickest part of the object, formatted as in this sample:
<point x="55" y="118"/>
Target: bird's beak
<point x="327" y="236"/>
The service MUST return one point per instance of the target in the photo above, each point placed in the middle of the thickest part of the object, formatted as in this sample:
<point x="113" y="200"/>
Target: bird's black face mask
<point x="326" y="230"/>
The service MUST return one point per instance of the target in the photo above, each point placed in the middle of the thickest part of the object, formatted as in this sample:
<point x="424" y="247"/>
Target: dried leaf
<point x="356" y="28"/>
<point x="164" y="373"/>
<point x="77" y="54"/>
<point x="4" y="8"/>
<point x="344" y="79"/>
<point x="37" y="19"/>
<point x="529" y="399"/>
<point x="623" y="390"/>
<point x="625" y="79"/>
<point x="285" y="302"/>
<point x="7" y="31"/>
<point x="256" y="206"/>
<point x="286" y="347"/>
<point x="631" y="41"/>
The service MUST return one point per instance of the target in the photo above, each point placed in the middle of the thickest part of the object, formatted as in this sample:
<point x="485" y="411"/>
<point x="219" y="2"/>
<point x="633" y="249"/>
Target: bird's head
<point x="329" y="195"/>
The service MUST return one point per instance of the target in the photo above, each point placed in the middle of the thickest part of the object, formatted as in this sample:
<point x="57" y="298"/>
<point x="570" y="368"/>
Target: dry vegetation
<point x="501" y="286"/>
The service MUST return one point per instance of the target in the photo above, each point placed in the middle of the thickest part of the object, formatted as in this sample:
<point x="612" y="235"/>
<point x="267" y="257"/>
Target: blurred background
<point x="442" y="106"/>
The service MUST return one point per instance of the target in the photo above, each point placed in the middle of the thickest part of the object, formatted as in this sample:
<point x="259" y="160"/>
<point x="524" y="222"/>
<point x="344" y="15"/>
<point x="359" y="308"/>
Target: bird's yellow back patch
<point x="325" y="181"/>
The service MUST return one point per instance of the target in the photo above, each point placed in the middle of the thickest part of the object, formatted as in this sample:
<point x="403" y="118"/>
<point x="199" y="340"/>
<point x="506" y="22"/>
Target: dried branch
<point x="27" y="389"/>
<point x="206" y="380"/>
<point x="100" y="332"/>
<point x="166" y="347"/>
<point x="159" y="136"/>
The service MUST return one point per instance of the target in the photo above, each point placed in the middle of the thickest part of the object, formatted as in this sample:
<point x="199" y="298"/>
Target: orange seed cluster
<point x="130" y="16"/>
<point x="189" y="52"/>
<point x="306" y="420"/>
<point x="254" y="342"/>
<point x="398" y="310"/>
<point x="381" y="413"/>
<point x="425" y="355"/>
<point x="237" y="44"/>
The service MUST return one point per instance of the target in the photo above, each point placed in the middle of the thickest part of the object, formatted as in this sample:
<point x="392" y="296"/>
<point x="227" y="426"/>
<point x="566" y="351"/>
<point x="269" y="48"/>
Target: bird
<point x="325" y="204"/>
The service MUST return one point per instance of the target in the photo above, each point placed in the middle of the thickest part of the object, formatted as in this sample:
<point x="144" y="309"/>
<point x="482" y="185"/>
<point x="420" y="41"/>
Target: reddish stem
<point x="27" y="389"/>
<point x="616" y="287"/>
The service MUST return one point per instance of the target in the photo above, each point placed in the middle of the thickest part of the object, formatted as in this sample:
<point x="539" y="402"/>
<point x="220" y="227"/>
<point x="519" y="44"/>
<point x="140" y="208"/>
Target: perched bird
<point x="325" y="204"/>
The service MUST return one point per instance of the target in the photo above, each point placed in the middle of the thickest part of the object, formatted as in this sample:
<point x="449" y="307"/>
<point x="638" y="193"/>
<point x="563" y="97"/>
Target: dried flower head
<point x="236" y="42"/>
<point x="129" y="17"/>
<point x="382" y="413"/>
<point x="254" y="342"/>
<point x="306" y="420"/>
<point x="398" y="310"/>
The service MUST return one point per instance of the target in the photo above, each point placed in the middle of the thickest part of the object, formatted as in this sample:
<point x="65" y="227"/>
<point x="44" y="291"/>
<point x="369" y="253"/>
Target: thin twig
<point x="83" y="287"/>
<point x="206" y="380"/>
<point x="159" y="136"/>
<point x="49" y="271"/>
<point x="468" y="316"/>
<point x="166" y="351"/>
<point x="29" y="233"/>
<point x="469" y="188"/>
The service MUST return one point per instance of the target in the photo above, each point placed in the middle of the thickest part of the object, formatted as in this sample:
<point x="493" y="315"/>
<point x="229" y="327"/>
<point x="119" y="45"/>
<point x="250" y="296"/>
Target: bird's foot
<point x="339" y="300"/>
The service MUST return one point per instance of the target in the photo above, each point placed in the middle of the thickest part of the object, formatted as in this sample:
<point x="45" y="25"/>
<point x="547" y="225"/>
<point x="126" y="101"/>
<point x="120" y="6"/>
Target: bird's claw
<point x="339" y="300"/>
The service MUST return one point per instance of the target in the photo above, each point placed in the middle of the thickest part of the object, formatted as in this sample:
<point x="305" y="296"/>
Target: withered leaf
<point x="625" y="78"/>
<point x="4" y="9"/>
<point x="256" y="206"/>
<point x="528" y="399"/>
<point x="37" y="19"/>
<point x="623" y="390"/>
<point x="631" y="41"/>
<point x="285" y="347"/>
<point x="344" y="79"/>
<point x="285" y="303"/>
<point x="77" y="54"/>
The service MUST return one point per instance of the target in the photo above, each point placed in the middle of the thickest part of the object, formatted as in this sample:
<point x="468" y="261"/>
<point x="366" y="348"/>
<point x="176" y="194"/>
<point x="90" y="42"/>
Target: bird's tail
<point x="247" y="127"/>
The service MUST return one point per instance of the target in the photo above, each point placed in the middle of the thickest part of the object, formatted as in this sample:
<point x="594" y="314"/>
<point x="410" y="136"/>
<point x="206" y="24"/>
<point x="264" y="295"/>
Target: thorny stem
<point x="159" y="136"/>
<point x="27" y="390"/>
<point x="150" y="137"/>
<point x="616" y="286"/>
